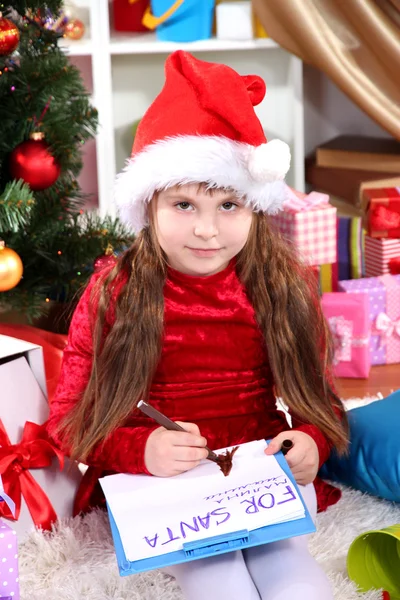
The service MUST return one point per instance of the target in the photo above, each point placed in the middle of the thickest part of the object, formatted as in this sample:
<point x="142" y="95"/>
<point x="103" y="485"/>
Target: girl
<point x="206" y="315"/>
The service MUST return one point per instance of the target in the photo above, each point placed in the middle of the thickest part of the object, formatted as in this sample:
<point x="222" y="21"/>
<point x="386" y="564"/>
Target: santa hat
<point x="202" y="128"/>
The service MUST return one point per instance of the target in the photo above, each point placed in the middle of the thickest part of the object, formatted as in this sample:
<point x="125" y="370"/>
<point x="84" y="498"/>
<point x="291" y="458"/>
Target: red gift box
<point x="128" y="14"/>
<point x="382" y="212"/>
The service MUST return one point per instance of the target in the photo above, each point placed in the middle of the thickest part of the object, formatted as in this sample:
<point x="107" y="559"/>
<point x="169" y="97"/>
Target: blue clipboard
<point x="219" y="544"/>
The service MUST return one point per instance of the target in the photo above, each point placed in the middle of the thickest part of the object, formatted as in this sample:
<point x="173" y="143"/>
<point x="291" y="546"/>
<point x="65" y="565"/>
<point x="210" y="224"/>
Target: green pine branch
<point x="16" y="204"/>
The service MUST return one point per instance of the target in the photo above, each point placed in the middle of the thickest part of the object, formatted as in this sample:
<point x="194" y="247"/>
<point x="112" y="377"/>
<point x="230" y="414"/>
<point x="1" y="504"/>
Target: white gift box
<point x="24" y="398"/>
<point x="234" y="20"/>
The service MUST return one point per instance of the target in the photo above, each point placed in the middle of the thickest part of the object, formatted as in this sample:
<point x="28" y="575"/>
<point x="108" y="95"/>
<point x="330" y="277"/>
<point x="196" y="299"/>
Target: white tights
<point x="282" y="570"/>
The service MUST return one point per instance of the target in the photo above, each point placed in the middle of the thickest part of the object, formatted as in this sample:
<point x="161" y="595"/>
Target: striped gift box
<point x="378" y="253"/>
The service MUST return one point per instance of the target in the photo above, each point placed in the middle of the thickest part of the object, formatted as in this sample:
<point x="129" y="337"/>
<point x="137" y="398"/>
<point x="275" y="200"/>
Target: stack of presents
<point x="357" y="263"/>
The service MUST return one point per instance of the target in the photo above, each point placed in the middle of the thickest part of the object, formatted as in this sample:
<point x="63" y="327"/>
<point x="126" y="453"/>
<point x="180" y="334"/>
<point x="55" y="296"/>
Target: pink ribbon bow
<point x="297" y="201"/>
<point x="343" y="339"/>
<point x="386" y="327"/>
<point x="342" y="332"/>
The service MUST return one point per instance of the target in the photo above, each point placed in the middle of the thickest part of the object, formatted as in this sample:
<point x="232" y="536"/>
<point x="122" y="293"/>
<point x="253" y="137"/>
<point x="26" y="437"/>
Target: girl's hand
<point x="303" y="458"/>
<point x="169" y="453"/>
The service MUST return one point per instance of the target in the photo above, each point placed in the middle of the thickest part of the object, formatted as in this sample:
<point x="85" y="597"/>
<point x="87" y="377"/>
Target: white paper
<point x="157" y="515"/>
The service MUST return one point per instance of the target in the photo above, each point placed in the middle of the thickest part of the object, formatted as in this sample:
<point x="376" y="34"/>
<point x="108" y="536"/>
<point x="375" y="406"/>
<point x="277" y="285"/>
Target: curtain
<point x="356" y="43"/>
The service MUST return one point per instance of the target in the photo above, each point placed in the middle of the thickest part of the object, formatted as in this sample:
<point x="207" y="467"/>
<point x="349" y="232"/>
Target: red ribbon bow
<point x="35" y="451"/>
<point x="394" y="266"/>
<point x="383" y="218"/>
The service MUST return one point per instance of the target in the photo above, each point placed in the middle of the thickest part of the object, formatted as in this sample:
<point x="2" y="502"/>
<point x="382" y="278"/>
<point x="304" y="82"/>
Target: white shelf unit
<point x="126" y="72"/>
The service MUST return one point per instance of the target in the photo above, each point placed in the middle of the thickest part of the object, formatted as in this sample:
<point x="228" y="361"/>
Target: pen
<point x="164" y="421"/>
<point x="286" y="446"/>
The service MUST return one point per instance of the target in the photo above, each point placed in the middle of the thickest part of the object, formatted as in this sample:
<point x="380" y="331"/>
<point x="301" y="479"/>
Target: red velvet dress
<point x="213" y="371"/>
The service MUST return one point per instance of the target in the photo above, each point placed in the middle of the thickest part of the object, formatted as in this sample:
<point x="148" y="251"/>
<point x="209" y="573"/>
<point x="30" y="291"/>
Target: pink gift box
<point x="383" y="294"/>
<point x="9" y="582"/>
<point x="378" y="254"/>
<point x="348" y="320"/>
<point x="309" y="222"/>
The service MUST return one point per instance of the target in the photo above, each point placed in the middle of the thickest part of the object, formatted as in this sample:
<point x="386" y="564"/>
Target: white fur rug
<point x="77" y="560"/>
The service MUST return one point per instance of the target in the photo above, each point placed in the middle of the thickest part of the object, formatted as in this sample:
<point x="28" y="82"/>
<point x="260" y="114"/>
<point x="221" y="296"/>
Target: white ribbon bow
<point x="386" y="326"/>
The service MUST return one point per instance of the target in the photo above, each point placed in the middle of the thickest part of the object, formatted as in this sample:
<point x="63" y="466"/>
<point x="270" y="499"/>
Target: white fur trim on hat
<point x="254" y="173"/>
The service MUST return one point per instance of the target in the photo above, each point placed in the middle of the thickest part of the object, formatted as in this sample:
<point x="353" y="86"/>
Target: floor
<point x="383" y="378"/>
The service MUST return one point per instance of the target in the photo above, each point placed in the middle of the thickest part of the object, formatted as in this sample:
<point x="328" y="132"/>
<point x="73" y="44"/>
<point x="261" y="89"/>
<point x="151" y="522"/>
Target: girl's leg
<point x="215" y="578"/>
<point x="285" y="570"/>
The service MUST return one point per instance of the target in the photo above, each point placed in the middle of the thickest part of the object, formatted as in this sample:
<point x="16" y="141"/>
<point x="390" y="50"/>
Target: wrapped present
<point x="382" y="212"/>
<point x="308" y="221"/>
<point x="350" y="262"/>
<point x="328" y="278"/>
<point x="380" y="255"/>
<point x="384" y="314"/>
<point x="350" y="248"/>
<point x="348" y="320"/>
<point x="9" y="581"/>
<point x="128" y="14"/>
<point x="30" y="465"/>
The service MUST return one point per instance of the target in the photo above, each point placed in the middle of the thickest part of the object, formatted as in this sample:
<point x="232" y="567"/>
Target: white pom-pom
<point x="269" y="162"/>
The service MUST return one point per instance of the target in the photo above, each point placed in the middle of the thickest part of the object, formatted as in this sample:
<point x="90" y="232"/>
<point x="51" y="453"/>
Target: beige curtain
<point x="355" y="42"/>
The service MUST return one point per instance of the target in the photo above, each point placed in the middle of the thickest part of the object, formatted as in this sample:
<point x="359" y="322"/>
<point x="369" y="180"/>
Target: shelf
<point x="147" y="43"/>
<point x="125" y="72"/>
<point x="83" y="47"/>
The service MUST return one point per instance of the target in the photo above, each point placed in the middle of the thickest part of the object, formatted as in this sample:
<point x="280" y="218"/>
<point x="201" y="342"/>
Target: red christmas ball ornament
<point x="108" y="259"/>
<point x="32" y="162"/>
<point x="9" y="36"/>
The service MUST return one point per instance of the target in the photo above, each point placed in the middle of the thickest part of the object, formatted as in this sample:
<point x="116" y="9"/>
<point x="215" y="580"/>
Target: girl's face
<point x="198" y="231"/>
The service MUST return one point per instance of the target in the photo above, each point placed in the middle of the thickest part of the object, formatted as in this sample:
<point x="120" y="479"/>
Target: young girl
<point x="207" y="315"/>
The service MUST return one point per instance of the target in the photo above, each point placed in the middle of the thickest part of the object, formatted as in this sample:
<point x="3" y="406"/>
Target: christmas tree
<point x="45" y="118"/>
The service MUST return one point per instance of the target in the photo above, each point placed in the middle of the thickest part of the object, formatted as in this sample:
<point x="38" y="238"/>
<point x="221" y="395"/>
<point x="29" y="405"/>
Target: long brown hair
<point x="287" y="310"/>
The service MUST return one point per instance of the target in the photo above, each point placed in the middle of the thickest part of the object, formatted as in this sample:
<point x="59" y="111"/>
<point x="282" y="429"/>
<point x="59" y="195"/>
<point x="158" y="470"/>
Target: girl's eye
<point x="229" y="206"/>
<point x="183" y="205"/>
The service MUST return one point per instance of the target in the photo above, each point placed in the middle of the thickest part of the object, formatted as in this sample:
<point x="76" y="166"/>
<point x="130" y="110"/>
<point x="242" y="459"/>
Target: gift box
<point x="30" y="465"/>
<point x="348" y="320"/>
<point x="380" y="254"/>
<point x="9" y="582"/>
<point x="128" y="14"/>
<point x="350" y="262"/>
<point x="384" y="314"/>
<point x="382" y="212"/>
<point x="308" y="221"/>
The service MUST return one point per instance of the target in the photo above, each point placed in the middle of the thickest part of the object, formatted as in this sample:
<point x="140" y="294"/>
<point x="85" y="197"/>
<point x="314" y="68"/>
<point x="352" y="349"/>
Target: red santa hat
<point x="202" y="128"/>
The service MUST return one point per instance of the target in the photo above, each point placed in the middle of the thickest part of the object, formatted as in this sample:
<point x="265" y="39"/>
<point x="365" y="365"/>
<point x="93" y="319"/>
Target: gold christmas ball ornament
<point x="74" y="29"/>
<point x="11" y="268"/>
